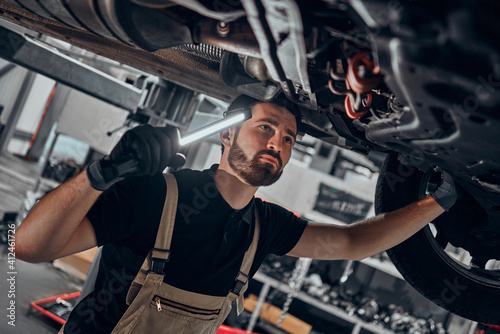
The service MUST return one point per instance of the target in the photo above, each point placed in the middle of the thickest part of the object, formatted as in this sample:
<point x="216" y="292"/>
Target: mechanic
<point x="214" y="221"/>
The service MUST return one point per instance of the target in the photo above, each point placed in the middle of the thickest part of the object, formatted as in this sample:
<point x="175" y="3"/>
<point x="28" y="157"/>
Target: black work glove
<point x="144" y="150"/>
<point x="447" y="193"/>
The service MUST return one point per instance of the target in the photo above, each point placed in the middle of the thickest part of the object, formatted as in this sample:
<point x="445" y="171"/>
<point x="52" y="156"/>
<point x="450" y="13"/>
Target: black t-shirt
<point x="208" y="243"/>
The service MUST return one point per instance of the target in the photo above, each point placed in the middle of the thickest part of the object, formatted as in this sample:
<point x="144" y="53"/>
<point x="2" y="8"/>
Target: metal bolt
<point x="223" y="29"/>
<point x="362" y="71"/>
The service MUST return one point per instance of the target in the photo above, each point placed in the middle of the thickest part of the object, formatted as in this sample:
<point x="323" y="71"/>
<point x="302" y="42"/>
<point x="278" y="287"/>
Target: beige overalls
<point x="156" y="307"/>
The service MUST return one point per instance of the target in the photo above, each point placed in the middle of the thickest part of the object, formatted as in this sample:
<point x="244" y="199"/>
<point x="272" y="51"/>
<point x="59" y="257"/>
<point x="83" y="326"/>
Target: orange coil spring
<point x="358" y="93"/>
<point x="355" y="81"/>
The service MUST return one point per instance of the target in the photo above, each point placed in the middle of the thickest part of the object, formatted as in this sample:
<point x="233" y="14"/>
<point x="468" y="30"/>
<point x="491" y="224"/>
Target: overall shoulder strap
<point x="250" y="253"/>
<point x="244" y="272"/>
<point x="161" y="251"/>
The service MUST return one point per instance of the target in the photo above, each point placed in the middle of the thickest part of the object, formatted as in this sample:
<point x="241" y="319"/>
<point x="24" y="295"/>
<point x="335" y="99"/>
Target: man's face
<point x="263" y="145"/>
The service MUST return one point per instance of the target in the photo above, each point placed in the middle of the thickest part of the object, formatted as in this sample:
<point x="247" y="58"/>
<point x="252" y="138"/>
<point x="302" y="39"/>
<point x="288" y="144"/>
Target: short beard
<point x="254" y="171"/>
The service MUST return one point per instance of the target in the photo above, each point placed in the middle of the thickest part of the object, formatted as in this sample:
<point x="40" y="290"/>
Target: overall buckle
<point x="158" y="264"/>
<point x="238" y="285"/>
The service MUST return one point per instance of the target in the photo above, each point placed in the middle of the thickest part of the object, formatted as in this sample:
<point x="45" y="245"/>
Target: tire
<point x="471" y="293"/>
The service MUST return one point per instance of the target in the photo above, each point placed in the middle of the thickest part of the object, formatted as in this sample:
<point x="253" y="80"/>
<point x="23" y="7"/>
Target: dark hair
<point x="245" y="101"/>
<point x="242" y="101"/>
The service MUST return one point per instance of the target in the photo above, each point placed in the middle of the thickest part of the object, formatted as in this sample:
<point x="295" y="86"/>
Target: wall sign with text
<point x="340" y="205"/>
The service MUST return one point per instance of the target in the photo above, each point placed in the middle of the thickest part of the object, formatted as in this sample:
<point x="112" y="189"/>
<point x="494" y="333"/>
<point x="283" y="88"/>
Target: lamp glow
<point x="213" y="128"/>
<point x="130" y="164"/>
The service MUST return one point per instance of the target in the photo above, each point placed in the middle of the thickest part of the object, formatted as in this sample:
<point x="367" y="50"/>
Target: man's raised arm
<point x="47" y="231"/>
<point x="58" y="224"/>
<point x="377" y="234"/>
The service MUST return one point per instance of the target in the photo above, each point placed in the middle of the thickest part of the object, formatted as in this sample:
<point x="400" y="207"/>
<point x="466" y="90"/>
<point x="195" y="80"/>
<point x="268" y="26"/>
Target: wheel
<point x="427" y="260"/>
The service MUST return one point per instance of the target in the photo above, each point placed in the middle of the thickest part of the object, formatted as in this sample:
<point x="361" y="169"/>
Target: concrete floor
<point x="32" y="282"/>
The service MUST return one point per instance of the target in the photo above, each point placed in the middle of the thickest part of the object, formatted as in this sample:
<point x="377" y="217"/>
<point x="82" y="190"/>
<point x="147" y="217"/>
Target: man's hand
<point x="447" y="193"/>
<point x="154" y="148"/>
<point x="374" y="235"/>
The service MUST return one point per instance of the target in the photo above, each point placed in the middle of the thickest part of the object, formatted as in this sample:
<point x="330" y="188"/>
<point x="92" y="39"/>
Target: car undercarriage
<point x="418" y="80"/>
